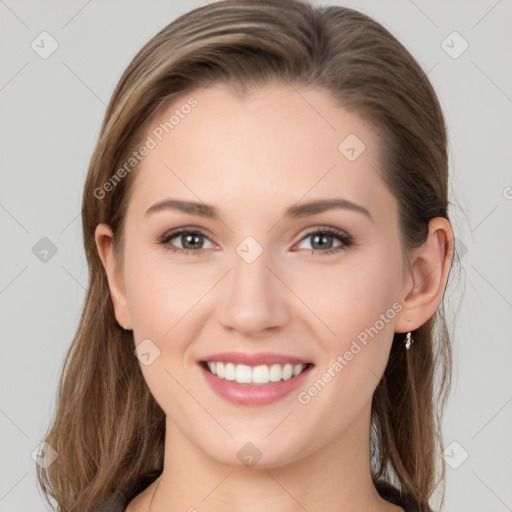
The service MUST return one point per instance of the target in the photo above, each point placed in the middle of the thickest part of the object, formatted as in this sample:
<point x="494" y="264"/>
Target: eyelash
<point x="347" y="240"/>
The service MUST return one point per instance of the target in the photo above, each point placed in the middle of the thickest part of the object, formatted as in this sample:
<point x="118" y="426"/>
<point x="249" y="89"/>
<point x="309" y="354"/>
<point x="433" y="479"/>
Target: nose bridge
<point x="254" y="296"/>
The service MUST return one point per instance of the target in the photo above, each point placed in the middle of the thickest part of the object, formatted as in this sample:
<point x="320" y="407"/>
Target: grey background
<point x="51" y="110"/>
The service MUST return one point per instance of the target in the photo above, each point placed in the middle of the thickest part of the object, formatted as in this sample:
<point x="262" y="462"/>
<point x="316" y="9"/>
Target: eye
<point x="191" y="241"/>
<point x="322" y="238"/>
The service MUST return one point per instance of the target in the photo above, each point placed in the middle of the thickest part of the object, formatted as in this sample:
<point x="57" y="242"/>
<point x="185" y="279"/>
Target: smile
<point x="242" y="383"/>
<point x="256" y="375"/>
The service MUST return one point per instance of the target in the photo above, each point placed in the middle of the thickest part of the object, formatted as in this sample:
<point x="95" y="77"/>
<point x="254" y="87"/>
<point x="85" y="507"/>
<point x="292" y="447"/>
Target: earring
<point x="408" y="340"/>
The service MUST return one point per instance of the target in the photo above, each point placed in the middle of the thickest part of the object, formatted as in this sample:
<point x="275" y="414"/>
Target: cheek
<point x="360" y="295"/>
<point x="169" y="306"/>
<point x="161" y="293"/>
<point x="361" y="312"/>
<point x="166" y="316"/>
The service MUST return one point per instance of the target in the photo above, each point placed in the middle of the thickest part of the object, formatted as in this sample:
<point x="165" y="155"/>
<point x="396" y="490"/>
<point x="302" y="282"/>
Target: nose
<point x="254" y="298"/>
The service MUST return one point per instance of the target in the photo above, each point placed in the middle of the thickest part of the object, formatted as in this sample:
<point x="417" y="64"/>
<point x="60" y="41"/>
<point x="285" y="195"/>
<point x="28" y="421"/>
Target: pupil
<point x="188" y="238"/>
<point x="320" y="237"/>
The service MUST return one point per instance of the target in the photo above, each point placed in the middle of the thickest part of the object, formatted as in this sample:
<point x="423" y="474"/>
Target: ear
<point x="104" y="243"/>
<point x="428" y="273"/>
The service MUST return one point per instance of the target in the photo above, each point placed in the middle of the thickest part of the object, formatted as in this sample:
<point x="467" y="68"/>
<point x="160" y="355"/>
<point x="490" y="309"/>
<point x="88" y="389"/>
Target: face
<point x="264" y="280"/>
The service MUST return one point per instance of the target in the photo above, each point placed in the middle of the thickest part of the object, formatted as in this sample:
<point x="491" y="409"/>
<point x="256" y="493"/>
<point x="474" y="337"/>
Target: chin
<point x="256" y="454"/>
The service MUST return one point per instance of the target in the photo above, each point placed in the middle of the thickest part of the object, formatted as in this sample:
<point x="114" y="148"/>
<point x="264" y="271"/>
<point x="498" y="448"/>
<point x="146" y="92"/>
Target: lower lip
<point x="251" y="394"/>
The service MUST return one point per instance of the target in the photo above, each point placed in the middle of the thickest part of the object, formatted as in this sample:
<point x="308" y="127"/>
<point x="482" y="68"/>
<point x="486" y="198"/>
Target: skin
<point x="252" y="158"/>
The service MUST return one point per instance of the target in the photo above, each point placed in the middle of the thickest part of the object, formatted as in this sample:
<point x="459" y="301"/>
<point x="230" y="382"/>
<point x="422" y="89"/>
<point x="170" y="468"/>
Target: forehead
<point x="275" y="145"/>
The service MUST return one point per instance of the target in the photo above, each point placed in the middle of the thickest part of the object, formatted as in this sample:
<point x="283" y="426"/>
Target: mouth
<point x="255" y="375"/>
<point x="256" y="379"/>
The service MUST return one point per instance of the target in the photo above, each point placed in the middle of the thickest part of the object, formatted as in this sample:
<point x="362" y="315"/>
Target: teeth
<point x="260" y="374"/>
<point x="243" y="374"/>
<point x="230" y="371"/>
<point x="276" y="373"/>
<point x="263" y="374"/>
<point x="287" y="371"/>
<point x="297" y="369"/>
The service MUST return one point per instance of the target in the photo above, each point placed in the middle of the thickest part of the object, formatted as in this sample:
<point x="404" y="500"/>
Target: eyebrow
<point x="296" y="211"/>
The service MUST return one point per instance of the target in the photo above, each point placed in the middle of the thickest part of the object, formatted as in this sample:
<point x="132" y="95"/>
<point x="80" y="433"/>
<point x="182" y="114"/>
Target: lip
<point x="253" y="394"/>
<point x="253" y="359"/>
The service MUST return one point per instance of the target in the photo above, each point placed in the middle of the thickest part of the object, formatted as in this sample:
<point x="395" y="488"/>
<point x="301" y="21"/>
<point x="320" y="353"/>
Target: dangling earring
<point x="408" y="340"/>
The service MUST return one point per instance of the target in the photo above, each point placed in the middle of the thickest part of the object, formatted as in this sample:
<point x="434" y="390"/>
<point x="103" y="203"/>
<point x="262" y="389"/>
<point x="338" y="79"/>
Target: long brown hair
<point x="108" y="430"/>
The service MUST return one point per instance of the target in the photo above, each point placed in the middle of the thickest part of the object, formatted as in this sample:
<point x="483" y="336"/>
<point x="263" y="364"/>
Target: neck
<point x="335" y="478"/>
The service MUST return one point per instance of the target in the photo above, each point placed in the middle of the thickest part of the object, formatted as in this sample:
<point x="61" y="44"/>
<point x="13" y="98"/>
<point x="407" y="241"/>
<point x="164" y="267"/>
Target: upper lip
<point x="260" y="358"/>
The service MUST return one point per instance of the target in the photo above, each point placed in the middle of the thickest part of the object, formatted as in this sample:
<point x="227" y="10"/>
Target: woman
<point x="265" y="222"/>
